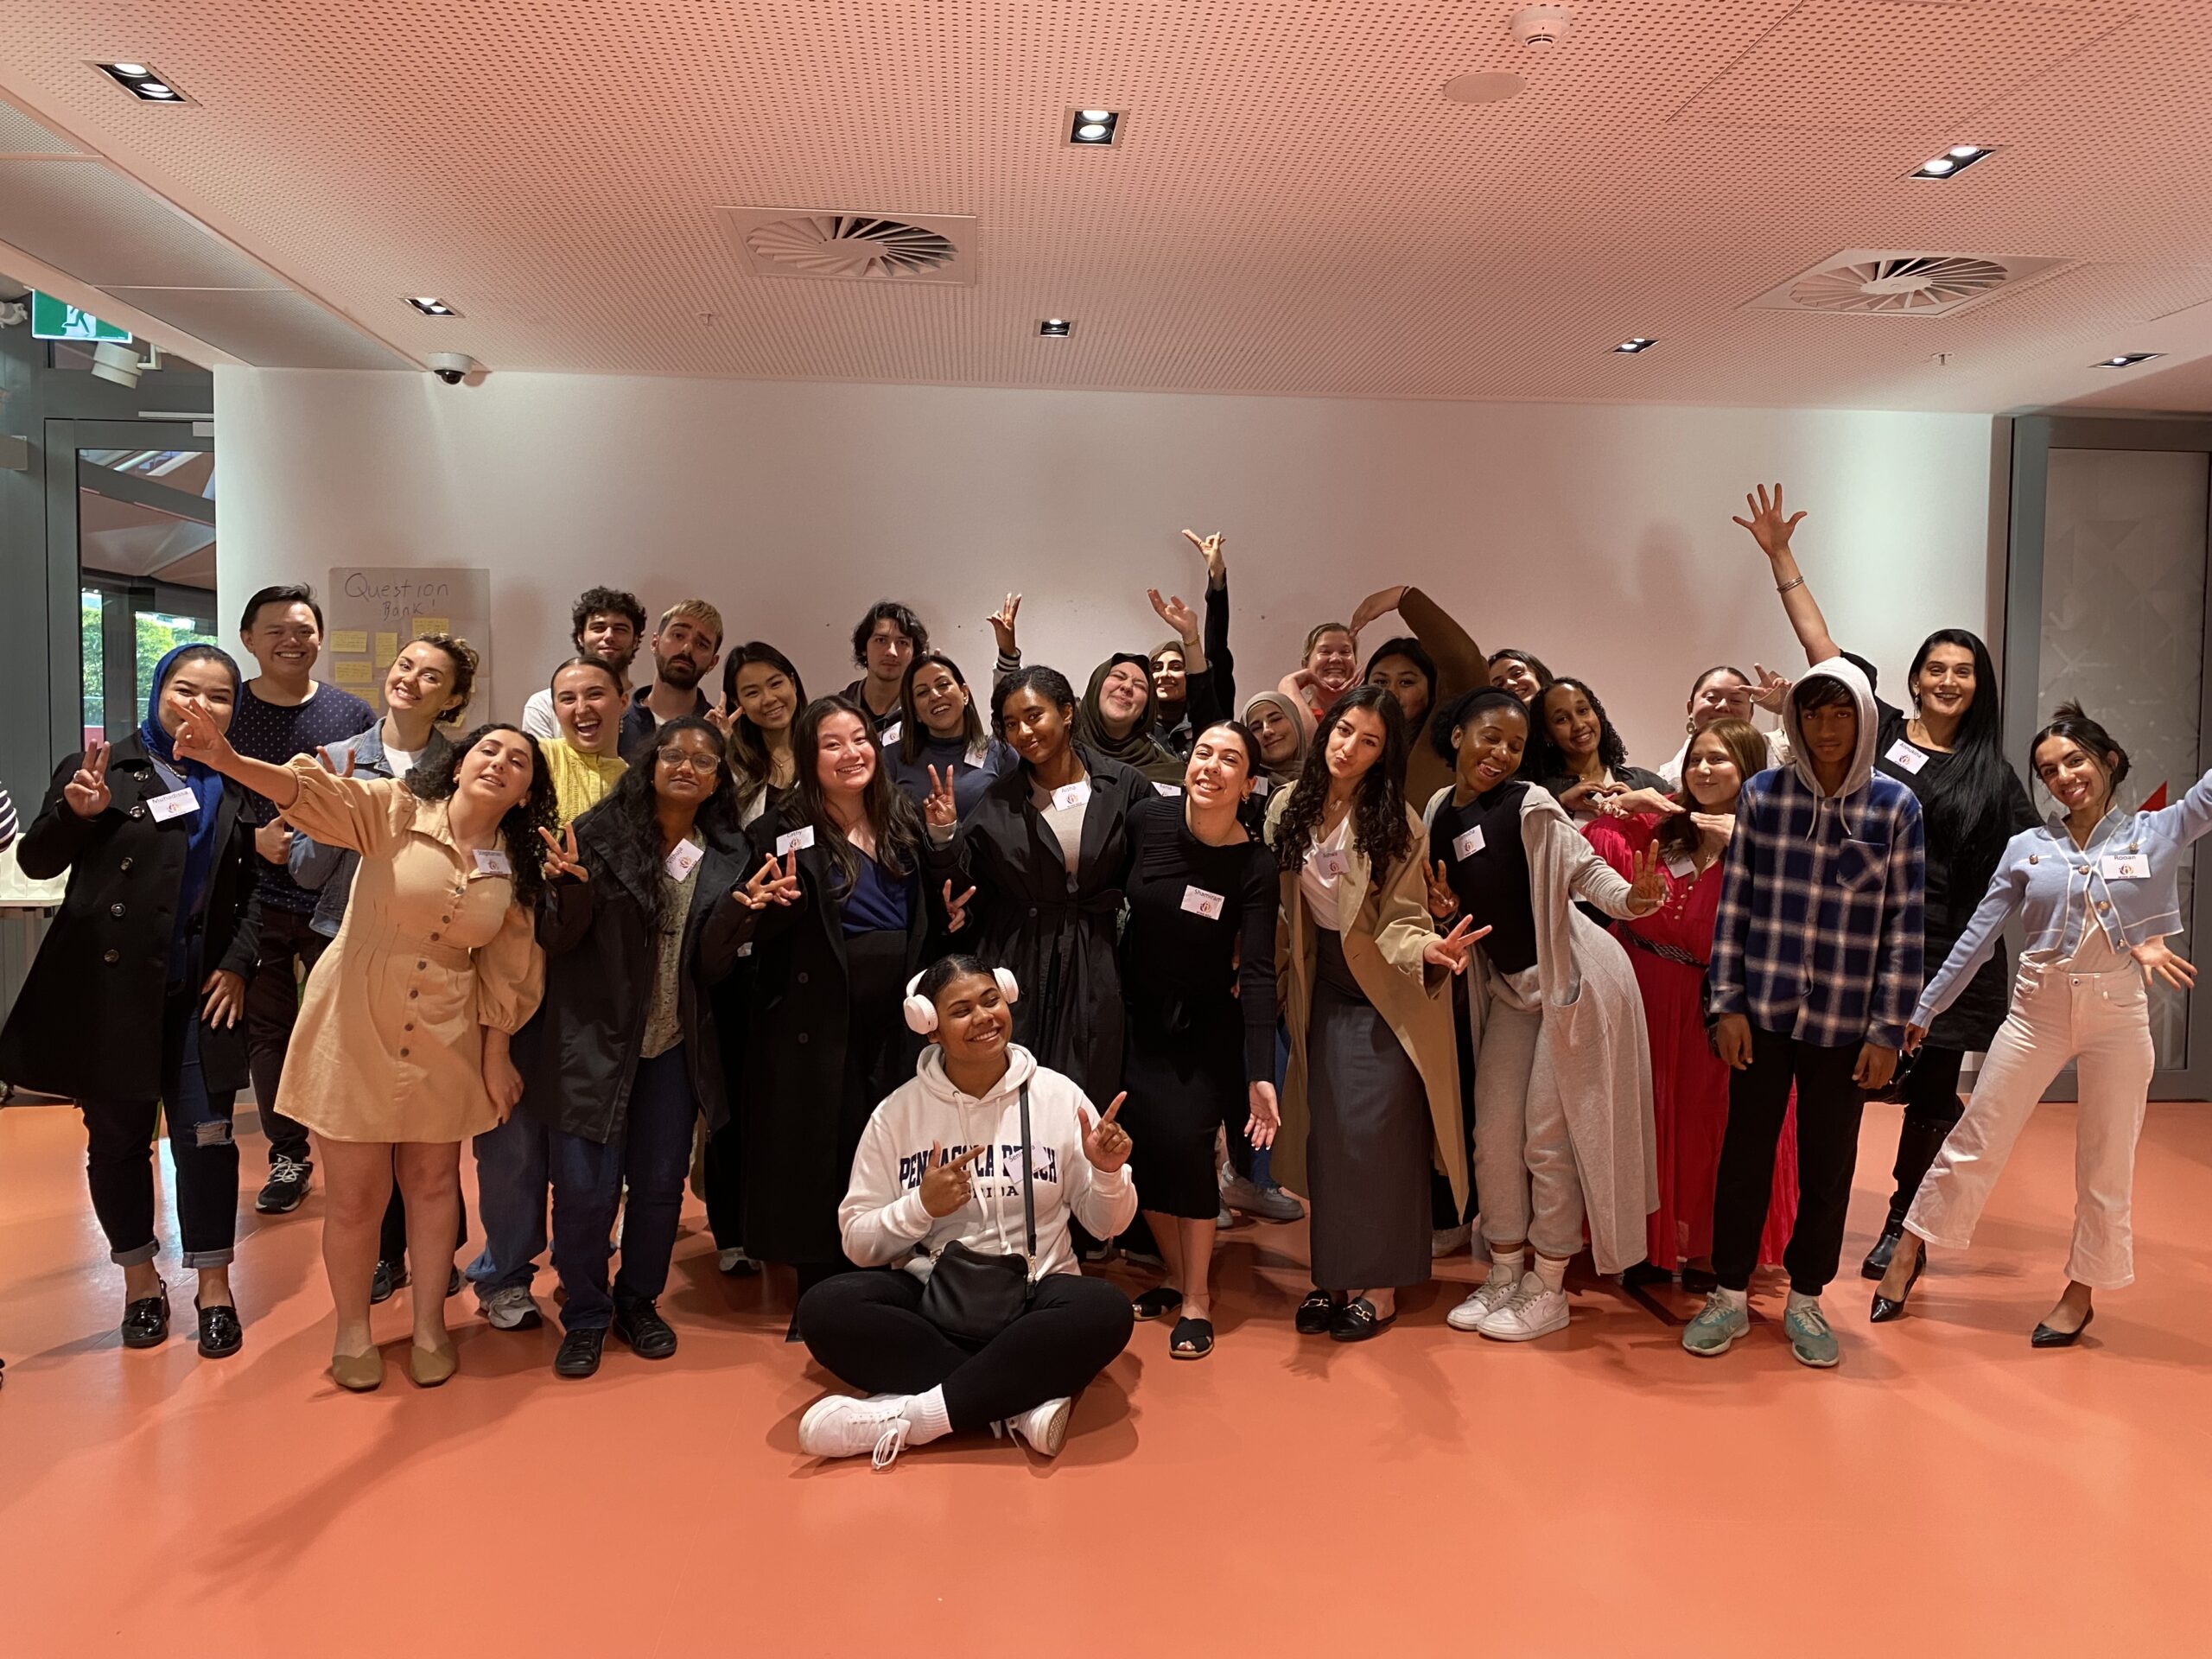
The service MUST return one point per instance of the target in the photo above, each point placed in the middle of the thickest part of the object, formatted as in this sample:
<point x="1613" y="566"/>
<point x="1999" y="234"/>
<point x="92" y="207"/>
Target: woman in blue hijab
<point x="132" y="1006"/>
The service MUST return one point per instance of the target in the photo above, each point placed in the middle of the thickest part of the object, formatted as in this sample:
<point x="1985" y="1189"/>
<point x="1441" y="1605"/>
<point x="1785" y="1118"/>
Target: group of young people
<point x="1408" y="936"/>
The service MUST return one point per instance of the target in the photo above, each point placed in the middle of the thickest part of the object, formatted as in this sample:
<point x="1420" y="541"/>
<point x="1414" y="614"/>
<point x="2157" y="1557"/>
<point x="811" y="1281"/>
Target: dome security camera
<point x="453" y="367"/>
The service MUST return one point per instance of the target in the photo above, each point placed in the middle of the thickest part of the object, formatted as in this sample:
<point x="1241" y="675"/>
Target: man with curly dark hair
<point x="607" y="623"/>
<point x="884" y="641"/>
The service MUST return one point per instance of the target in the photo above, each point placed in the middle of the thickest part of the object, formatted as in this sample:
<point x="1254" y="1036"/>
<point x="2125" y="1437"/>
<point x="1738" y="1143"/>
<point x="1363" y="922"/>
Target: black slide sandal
<point x="1190" y="1339"/>
<point x="1157" y="1303"/>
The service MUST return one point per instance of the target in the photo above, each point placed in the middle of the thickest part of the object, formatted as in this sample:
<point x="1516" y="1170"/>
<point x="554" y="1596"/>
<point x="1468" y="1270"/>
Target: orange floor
<point x="1947" y="1491"/>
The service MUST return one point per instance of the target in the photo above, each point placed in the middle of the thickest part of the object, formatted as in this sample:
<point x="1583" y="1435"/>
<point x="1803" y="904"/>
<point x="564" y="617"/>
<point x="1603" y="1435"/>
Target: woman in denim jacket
<point x="2098" y="890"/>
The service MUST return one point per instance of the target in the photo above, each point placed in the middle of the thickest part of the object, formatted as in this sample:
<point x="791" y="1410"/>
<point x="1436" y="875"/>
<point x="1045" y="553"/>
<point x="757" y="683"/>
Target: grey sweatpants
<point x="1525" y="1180"/>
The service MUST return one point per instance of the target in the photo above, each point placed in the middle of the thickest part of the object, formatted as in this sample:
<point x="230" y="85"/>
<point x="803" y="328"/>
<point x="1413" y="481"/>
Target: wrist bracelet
<point x="1784" y="587"/>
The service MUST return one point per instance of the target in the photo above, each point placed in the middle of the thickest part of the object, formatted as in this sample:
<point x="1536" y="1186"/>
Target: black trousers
<point x="867" y="1329"/>
<point x="392" y="1241"/>
<point x="723" y="1180"/>
<point x="1932" y="1110"/>
<point x="1828" y="1108"/>
<point x="272" y="1006"/>
<point x="119" y="1158"/>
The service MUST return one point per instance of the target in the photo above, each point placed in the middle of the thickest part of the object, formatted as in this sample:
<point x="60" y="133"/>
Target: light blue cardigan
<point x="2060" y="886"/>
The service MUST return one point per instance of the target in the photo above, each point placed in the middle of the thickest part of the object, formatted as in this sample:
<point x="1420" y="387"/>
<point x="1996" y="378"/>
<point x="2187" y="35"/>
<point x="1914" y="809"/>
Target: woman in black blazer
<point x="828" y="1036"/>
<point x="132" y="1006"/>
<point x="644" y="913"/>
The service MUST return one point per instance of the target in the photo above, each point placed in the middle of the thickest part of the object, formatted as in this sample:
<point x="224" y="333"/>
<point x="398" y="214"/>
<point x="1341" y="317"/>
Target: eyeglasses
<point x="689" y="760"/>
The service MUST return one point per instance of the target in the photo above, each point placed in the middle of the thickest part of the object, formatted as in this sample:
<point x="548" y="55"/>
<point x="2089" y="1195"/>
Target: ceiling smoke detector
<point x="1866" y="282"/>
<point x="853" y="247"/>
<point x="1540" y="28"/>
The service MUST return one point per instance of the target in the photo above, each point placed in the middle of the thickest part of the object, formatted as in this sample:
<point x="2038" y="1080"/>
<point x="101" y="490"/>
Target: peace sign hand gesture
<point x="955" y="910"/>
<point x="1176" y="614"/>
<point x="200" y="737"/>
<point x="1209" y="550"/>
<point x="948" y="1182"/>
<point x="1768" y="527"/>
<point x="1649" y="891"/>
<point x="323" y="755"/>
<point x="939" y="807"/>
<point x="563" y="861"/>
<point x="1443" y="903"/>
<point x="87" y="793"/>
<point x="1002" y="621"/>
<point x="1771" y="688"/>
<point x="1105" y="1143"/>
<point x="1452" y="950"/>
<point x="772" y="884"/>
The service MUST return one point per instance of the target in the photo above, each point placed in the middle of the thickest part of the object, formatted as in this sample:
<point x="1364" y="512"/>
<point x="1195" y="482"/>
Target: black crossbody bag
<point x="976" y="1294"/>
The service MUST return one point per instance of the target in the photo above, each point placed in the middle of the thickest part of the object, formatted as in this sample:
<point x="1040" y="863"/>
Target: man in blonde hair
<point x="687" y="644"/>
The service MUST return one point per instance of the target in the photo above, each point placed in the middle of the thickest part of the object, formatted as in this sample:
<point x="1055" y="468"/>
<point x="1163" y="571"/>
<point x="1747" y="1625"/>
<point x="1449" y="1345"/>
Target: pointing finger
<point x="1112" y="1109"/>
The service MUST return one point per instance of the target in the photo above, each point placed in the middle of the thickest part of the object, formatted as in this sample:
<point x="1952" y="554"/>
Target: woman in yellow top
<point x="401" y="1049"/>
<point x="588" y="703"/>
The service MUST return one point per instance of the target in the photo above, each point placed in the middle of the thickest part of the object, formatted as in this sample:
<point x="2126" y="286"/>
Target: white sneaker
<point x="736" y="1261"/>
<point x="1044" y="1427"/>
<point x="1224" y="1221"/>
<point x="1449" y="1240"/>
<point x="839" y="1426"/>
<point x="1532" y="1311"/>
<point x="1488" y="1296"/>
<point x="511" y="1307"/>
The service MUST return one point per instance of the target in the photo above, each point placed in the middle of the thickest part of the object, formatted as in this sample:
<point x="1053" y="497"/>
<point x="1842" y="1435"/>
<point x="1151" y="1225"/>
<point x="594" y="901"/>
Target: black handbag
<point x="975" y="1294"/>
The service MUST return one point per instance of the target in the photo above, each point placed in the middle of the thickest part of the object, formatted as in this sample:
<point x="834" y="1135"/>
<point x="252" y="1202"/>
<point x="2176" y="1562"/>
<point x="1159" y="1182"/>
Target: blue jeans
<point x="511" y="1175"/>
<point x="653" y="1155"/>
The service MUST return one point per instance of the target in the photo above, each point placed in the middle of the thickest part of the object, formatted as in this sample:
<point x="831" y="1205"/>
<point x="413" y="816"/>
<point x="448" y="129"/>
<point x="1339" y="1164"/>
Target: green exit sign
<point x="53" y="319"/>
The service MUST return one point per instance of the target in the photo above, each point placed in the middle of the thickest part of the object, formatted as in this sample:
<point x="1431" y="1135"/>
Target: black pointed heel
<point x="1885" y="1310"/>
<point x="2045" y="1336"/>
<point x="1877" y="1258"/>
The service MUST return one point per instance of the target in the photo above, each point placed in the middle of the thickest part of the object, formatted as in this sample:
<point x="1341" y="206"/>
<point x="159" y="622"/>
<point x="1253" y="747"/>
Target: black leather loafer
<point x="579" y="1355"/>
<point x="639" y="1324"/>
<point x="146" y="1321"/>
<point x="1357" y="1321"/>
<point x="1316" y="1311"/>
<point x="2045" y="1336"/>
<point x="220" y="1333"/>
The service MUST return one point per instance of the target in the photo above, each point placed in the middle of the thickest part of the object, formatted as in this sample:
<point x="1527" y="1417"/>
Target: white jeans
<point x="2104" y="1019"/>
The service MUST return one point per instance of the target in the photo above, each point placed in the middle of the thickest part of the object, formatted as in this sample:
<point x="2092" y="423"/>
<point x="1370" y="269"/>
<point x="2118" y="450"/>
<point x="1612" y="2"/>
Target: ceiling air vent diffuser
<point x="1866" y="281"/>
<point x="853" y="247"/>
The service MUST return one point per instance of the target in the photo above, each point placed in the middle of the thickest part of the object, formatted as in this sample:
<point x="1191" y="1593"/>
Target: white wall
<point x="1597" y="536"/>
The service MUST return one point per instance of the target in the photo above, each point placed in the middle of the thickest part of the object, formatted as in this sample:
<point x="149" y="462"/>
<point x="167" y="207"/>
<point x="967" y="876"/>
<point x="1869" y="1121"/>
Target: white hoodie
<point x="882" y="1218"/>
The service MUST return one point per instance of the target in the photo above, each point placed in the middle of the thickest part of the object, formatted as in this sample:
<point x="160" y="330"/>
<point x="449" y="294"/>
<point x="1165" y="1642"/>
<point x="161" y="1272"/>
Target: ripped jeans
<point x="120" y="1165"/>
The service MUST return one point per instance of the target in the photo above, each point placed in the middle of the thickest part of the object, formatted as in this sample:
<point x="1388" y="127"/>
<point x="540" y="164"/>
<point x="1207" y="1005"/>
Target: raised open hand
<point x="1176" y="614"/>
<point x="562" y="860"/>
<point x="948" y="1182"/>
<point x="939" y="807"/>
<point x="1209" y="550"/>
<point x="955" y="910"/>
<point x="1649" y="890"/>
<point x="1105" y="1143"/>
<point x="1443" y="903"/>
<point x="1768" y="527"/>
<point x="1451" y="950"/>
<point x="1002" y="621"/>
<point x="87" y="793"/>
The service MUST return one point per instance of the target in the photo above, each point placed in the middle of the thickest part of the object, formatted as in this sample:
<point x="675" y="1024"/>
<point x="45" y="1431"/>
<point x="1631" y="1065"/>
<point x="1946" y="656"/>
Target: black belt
<point x="1671" y="952"/>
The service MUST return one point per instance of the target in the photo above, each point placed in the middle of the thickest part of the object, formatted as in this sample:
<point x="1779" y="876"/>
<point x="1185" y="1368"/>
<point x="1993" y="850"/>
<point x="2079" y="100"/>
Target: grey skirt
<point x="1369" y="1140"/>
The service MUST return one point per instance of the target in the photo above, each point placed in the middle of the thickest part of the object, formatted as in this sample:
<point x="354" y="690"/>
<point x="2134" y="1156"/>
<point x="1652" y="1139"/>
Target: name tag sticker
<point x="1067" y="797"/>
<point x="1199" y="902"/>
<point x="175" y="804"/>
<point x="1901" y="753"/>
<point x="1262" y="785"/>
<point x="976" y="756"/>
<point x="890" y="733"/>
<point x="1467" y="845"/>
<point x="1682" y="866"/>
<point x="682" y="860"/>
<point x="797" y="839"/>
<point x="1168" y="788"/>
<point x="493" y="863"/>
<point x="1331" y="863"/>
<point x="2123" y="867"/>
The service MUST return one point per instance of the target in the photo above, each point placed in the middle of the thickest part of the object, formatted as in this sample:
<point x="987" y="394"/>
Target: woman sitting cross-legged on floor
<point x="984" y="1157"/>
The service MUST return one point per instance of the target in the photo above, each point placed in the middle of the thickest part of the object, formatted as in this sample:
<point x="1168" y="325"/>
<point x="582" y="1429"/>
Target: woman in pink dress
<point x="1669" y="949"/>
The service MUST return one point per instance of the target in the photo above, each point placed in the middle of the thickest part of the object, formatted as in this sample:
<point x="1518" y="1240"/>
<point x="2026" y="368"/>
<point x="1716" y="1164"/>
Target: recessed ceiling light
<point x="1491" y="86"/>
<point x="1636" y="343"/>
<point x="146" y="84"/>
<point x="1056" y="329"/>
<point x="1097" y="129"/>
<point x="1952" y="162"/>
<point x="2126" y="359"/>
<point x="431" y="306"/>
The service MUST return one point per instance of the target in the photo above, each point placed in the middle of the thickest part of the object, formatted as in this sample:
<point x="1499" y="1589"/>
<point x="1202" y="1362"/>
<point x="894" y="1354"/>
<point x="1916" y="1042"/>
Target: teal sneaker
<point x="1811" y="1342"/>
<point x="1716" y="1327"/>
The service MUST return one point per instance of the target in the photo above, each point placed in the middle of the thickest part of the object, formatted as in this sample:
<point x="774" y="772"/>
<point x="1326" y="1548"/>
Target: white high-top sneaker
<point x="1532" y="1311"/>
<point x="1488" y="1297"/>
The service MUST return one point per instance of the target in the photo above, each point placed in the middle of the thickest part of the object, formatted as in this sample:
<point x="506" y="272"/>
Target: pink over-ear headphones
<point x="921" y="1012"/>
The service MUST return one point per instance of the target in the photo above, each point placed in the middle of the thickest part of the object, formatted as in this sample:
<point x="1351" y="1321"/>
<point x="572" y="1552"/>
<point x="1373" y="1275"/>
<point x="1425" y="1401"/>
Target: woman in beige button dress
<point x="401" y="1049"/>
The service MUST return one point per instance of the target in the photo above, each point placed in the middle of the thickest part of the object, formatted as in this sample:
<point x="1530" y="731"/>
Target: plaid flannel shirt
<point x="1818" y="934"/>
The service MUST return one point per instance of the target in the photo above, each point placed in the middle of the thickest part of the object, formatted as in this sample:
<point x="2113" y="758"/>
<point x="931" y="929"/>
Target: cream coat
<point x="1596" y="1053"/>
<point x="1385" y="927"/>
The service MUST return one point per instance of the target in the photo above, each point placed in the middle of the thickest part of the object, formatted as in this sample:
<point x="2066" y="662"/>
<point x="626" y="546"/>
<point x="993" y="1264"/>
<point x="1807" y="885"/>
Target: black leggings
<point x="1932" y="1110"/>
<point x="867" y="1329"/>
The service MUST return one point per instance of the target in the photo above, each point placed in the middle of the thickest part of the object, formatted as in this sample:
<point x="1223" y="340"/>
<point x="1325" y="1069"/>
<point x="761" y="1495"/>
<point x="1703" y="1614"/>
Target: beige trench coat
<point x="389" y="1041"/>
<point x="1385" y="927"/>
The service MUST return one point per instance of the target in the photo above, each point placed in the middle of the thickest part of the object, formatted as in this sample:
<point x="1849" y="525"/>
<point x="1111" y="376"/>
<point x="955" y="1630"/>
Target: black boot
<point x="1919" y="1142"/>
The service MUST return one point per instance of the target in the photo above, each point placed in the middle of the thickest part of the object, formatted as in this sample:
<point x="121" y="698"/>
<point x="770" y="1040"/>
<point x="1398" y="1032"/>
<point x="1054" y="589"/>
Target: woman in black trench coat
<point x="828" y="1038"/>
<point x="132" y="1006"/>
<point x="1047" y="851"/>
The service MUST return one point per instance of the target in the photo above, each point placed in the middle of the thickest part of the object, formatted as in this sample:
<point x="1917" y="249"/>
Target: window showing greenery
<point x="159" y="633"/>
<point x="156" y="633"/>
<point x="91" y="601"/>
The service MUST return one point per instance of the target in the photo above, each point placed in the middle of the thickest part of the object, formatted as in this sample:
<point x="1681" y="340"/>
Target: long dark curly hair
<point x="630" y="816"/>
<point x="1379" y="828"/>
<point x="891" y="812"/>
<point x="1546" y="758"/>
<point x="436" y="780"/>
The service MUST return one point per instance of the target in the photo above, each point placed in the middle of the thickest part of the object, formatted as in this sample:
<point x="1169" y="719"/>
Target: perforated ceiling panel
<point x="1295" y="206"/>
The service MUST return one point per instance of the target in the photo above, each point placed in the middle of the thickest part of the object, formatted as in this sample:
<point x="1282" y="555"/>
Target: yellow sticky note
<point x="343" y="640"/>
<point x="387" y="646"/>
<point x="353" y="674"/>
<point x="432" y="625"/>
